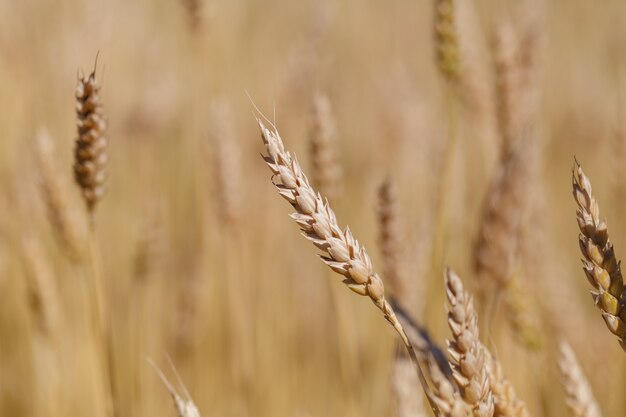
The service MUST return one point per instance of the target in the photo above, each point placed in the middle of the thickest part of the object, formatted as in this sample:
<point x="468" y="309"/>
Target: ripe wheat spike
<point x="601" y="267"/>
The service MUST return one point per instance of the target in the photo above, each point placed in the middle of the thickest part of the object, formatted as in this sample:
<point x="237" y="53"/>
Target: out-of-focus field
<point x="253" y="321"/>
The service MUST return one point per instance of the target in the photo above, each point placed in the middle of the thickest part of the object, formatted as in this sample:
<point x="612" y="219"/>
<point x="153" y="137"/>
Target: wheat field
<point x="429" y="151"/>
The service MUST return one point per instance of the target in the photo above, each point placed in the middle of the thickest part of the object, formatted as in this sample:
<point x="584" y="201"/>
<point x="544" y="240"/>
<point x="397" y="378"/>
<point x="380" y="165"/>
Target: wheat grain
<point x="467" y="353"/>
<point x="580" y="399"/>
<point x="600" y="264"/>
<point x="504" y="396"/>
<point x="90" y="153"/>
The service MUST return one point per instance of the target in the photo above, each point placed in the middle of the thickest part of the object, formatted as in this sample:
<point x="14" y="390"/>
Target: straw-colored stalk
<point x="599" y="262"/>
<point x="579" y="396"/>
<point x="341" y="251"/>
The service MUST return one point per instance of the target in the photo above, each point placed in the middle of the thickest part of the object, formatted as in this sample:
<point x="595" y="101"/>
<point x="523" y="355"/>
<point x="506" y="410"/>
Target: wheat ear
<point x="467" y="353"/>
<point x="580" y="399"/>
<point x="505" y="399"/>
<point x="600" y="264"/>
<point x="54" y="198"/>
<point x="325" y="168"/>
<point x="446" y="41"/>
<point x="342" y="252"/>
<point x="224" y="151"/>
<point x="90" y="153"/>
<point x="390" y="236"/>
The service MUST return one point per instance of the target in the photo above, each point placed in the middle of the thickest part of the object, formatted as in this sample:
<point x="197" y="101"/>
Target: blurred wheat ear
<point x="600" y="264"/>
<point x="90" y="153"/>
<point x="326" y="172"/>
<point x="55" y="199"/>
<point x="580" y="399"/>
<point x="446" y="41"/>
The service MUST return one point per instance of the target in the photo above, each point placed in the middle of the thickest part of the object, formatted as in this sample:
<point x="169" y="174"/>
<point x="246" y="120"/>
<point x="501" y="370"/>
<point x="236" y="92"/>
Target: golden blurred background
<point x="197" y="255"/>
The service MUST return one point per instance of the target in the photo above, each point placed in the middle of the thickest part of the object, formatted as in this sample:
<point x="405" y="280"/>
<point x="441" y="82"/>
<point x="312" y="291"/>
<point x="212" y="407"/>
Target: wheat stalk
<point x="467" y="353"/>
<point x="342" y="252"/>
<point x="90" y="153"/>
<point x="580" y="399"/>
<point x="600" y="264"/>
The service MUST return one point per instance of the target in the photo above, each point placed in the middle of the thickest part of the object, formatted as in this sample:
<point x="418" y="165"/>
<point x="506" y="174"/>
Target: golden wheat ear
<point x="600" y="264"/>
<point x="340" y="250"/>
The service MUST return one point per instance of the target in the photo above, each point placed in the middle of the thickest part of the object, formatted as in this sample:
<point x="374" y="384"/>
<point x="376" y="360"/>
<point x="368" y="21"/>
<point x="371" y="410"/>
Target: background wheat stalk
<point x="600" y="264"/>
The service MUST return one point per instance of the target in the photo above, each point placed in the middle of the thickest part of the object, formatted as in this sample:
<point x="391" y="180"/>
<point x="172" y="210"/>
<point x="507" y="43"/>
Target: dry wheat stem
<point x="600" y="264"/>
<point x="317" y="221"/>
<point x="467" y="353"/>
<point x="580" y="399"/>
